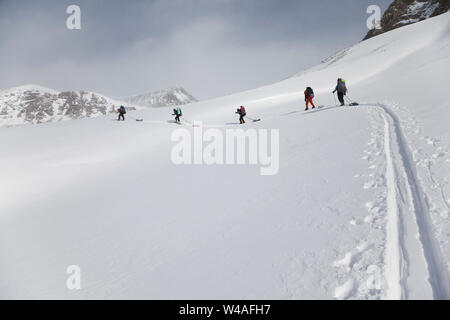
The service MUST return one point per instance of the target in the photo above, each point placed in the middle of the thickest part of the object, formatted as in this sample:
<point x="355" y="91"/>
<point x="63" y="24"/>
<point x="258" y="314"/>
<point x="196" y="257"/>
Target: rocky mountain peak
<point x="404" y="12"/>
<point x="174" y="96"/>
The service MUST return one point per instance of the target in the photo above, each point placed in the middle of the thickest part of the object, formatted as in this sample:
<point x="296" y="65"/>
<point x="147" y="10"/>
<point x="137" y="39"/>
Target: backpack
<point x="243" y="110"/>
<point x="342" y="88"/>
<point x="122" y="110"/>
<point x="309" y="91"/>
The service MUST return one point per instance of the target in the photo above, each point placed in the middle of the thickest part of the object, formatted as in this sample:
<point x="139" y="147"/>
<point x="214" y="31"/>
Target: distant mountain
<point x="404" y="12"/>
<point x="32" y="104"/>
<point x="164" y="98"/>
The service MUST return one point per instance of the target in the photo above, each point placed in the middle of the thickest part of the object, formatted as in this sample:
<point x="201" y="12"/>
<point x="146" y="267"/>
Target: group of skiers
<point x="176" y="112"/>
<point x="241" y="111"/>
<point x="341" y="90"/>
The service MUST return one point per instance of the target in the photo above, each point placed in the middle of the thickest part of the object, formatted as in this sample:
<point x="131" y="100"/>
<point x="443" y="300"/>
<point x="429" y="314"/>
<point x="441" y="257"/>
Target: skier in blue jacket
<point x="341" y="89"/>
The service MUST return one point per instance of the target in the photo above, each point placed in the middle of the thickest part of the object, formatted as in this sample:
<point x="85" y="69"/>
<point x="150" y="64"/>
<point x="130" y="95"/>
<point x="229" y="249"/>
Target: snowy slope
<point x="176" y="96"/>
<point x="359" y="209"/>
<point x="33" y="104"/>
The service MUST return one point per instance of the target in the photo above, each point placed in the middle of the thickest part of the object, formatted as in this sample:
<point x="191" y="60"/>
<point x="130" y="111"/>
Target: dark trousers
<point x="121" y="116"/>
<point x="341" y="98"/>
<point x="241" y="118"/>
<point x="177" y="118"/>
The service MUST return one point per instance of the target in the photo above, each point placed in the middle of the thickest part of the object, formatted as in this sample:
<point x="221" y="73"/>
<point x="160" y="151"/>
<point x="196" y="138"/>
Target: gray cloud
<point x="211" y="47"/>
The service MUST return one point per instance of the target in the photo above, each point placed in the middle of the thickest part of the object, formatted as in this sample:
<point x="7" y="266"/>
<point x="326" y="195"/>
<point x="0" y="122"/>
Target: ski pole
<point x="352" y="103"/>
<point x="254" y="120"/>
<point x="348" y="99"/>
<point x="351" y="100"/>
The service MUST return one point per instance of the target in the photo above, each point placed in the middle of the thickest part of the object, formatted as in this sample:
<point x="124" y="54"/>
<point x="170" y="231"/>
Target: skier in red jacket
<point x="309" y="96"/>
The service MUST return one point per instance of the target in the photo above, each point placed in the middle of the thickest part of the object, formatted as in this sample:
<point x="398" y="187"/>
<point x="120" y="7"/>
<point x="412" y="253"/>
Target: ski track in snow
<point x="412" y="251"/>
<point x="393" y="247"/>
<point x="410" y="254"/>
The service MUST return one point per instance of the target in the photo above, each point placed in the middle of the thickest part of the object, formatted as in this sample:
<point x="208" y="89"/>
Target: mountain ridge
<point x="173" y="96"/>
<point x="36" y="104"/>
<point x="405" y="12"/>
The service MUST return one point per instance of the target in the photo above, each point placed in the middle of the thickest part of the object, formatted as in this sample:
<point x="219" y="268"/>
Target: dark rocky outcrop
<point x="404" y="12"/>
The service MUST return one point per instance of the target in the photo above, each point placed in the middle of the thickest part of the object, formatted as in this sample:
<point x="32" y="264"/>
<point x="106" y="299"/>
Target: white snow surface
<point x="359" y="209"/>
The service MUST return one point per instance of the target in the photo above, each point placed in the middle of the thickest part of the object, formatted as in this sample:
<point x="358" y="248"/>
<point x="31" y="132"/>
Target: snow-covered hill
<point x="359" y="209"/>
<point x="32" y="104"/>
<point x="176" y="96"/>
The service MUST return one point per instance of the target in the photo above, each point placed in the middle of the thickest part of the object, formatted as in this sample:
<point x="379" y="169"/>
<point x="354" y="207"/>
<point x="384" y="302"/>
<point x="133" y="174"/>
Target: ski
<point x="315" y="109"/>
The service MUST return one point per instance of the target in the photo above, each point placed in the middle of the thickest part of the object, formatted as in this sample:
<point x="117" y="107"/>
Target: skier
<point x="242" y="113"/>
<point x="309" y="96"/>
<point x="341" y="89"/>
<point x="177" y="113"/>
<point x="121" y="111"/>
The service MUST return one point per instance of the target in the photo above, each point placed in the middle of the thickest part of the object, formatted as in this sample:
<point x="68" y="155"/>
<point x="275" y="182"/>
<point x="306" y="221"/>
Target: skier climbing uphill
<point x="177" y="113"/>
<point x="309" y="96"/>
<point x="121" y="111"/>
<point x="341" y="89"/>
<point x="242" y="113"/>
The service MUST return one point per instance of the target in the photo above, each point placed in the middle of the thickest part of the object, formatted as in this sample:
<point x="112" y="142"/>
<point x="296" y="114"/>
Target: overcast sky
<point x="210" y="47"/>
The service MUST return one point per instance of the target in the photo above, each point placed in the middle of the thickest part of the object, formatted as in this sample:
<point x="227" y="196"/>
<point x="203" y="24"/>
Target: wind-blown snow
<point x="359" y="210"/>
